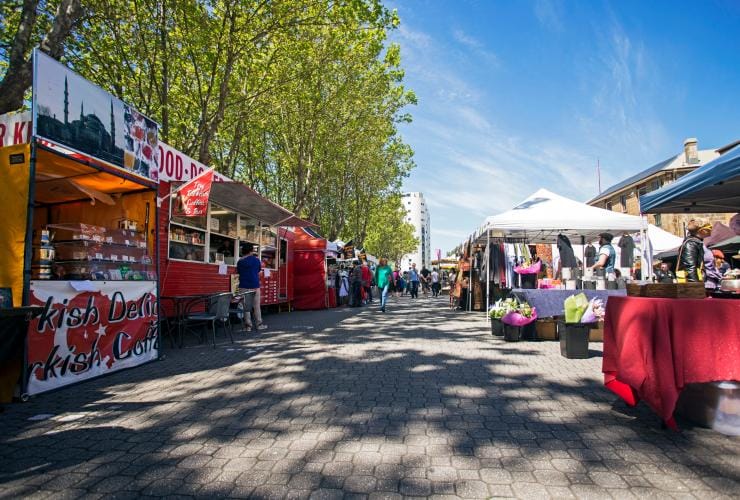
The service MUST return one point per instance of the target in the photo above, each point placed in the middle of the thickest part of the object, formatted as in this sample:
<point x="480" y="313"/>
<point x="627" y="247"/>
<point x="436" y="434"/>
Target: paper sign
<point x="84" y="286"/>
<point x="222" y="268"/>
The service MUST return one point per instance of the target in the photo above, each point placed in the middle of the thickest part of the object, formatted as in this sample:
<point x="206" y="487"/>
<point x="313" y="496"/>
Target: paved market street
<point x="417" y="402"/>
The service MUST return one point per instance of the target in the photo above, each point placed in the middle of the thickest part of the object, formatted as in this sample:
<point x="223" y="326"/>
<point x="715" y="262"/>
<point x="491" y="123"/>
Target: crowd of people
<point x="358" y="283"/>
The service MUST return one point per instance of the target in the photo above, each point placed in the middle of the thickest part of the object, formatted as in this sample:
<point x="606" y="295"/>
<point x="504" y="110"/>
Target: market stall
<point x="205" y="249"/>
<point x="313" y="283"/>
<point x="79" y="236"/>
<point x="504" y="240"/>
<point x="655" y="346"/>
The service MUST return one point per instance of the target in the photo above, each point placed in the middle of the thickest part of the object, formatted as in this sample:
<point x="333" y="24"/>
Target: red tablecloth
<point x="654" y="347"/>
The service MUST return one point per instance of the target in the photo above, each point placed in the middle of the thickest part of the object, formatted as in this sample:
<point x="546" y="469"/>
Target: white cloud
<point x="471" y="164"/>
<point x="413" y="38"/>
<point x="477" y="47"/>
<point x="623" y="83"/>
<point x="548" y="14"/>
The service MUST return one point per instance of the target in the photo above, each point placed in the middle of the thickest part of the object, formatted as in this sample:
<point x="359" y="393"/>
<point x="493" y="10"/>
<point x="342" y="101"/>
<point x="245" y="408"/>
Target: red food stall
<point x="200" y="253"/>
<point x="79" y="236"/>
<point x="311" y="271"/>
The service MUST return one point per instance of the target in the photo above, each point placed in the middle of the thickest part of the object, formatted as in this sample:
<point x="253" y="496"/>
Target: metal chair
<point x="216" y="312"/>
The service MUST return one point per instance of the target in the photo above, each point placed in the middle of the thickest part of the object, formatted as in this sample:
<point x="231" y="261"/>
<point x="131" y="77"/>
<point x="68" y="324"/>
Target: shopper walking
<point x="402" y="283"/>
<point x="367" y="281"/>
<point x="436" y="286"/>
<point x="355" y="281"/>
<point x="383" y="278"/>
<point x="414" y="281"/>
<point x="425" y="278"/>
<point x="249" y="268"/>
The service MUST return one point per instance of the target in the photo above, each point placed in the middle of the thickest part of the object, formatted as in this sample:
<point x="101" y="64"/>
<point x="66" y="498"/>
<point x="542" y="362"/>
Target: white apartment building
<point x="417" y="214"/>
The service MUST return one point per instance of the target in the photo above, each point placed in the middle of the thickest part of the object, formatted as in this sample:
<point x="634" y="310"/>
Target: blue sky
<point x="518" y="95"/>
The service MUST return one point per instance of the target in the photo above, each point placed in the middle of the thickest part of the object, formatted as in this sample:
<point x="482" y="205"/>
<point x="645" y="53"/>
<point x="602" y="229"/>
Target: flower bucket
<point x="574" y="339"/>
<point x="497" y="327"/>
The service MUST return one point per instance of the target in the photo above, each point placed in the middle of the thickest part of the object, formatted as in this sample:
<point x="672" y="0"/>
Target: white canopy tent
<point x="544" y="215"/>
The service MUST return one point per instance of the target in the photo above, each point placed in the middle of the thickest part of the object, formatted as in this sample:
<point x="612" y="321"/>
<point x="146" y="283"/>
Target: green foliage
<point x="388" y="237"/>
<point x="300" y="99"/>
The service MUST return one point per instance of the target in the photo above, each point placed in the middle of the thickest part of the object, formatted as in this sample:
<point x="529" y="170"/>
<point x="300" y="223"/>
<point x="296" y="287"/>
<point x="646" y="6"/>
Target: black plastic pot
<point x="497" y="327"/>
<point x="574" y="339"/>
<point x="512" y="333"/>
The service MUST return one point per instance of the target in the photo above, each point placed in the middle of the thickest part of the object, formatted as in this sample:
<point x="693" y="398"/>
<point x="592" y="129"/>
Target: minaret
<point x="112" y="128"/>
<point x="82" y="111"/>
<point x="66" y="102"/>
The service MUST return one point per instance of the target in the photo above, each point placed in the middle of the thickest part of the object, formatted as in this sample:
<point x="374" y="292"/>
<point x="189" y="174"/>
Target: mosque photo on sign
<point x="72" y="112"/>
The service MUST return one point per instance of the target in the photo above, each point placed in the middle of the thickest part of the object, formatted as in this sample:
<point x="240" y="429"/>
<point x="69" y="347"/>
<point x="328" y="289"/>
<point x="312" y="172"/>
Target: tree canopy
<point x="299" y="99"/>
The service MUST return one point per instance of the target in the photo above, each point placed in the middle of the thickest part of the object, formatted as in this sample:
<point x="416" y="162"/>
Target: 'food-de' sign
<point x="175" y="166"/>
<point x="83" y="334"/>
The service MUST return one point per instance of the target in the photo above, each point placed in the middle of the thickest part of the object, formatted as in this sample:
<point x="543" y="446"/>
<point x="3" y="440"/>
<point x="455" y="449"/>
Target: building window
<point x="658" y="221"/>
<point x="642" y="191"/>
<point x="623" y="202"/>
<point x="656" y="184"/>
<point x="608" y="205"/>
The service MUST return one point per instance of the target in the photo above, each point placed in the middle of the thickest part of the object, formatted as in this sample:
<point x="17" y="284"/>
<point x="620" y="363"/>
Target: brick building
<point x="625" y="195"/>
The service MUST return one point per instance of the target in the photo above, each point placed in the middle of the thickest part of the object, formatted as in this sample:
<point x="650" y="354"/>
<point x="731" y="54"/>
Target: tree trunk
<point x="19" y="75"/>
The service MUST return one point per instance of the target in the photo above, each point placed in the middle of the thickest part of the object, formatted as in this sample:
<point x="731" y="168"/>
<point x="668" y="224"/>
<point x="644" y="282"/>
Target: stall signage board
<point x="87" y="331"/>
<point x="192" y="197"/>
<point x="72" y="112"/>
<point x="15" y="128"/>
<point x="175" y="166"/>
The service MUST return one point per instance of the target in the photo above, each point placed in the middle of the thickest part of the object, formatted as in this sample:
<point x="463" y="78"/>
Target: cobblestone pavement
<point x="345" y="403"/>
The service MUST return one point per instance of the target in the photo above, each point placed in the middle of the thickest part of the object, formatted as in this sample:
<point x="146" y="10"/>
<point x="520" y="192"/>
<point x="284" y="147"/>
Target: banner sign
<point x="348" y="252"/>
<point x="177" y="166"/>
<point x="15" y="128"/>
<point x="72" y="112"/>
<point x="192" y="197"/>
<point x="90" y="329"/>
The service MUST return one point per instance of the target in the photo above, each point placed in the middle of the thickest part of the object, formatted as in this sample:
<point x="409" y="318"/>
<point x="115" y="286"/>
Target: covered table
<point x="653" y="347"/>
<point x="549" y="302"/>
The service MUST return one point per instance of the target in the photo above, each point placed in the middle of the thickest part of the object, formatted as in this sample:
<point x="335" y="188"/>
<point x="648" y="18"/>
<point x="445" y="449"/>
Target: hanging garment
<point x="344" y="287"/>
<point x="567" y="256"/>
<point x="627" y="245"/>
<point x="590" y="253"/>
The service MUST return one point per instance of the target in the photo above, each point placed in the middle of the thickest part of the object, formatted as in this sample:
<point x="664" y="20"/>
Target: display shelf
<point x="187" y="243"/>
<point x="96" y="242"/>
<point x="194" y="228"/>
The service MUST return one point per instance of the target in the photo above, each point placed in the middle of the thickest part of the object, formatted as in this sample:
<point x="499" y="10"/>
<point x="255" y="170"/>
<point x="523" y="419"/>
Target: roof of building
<point x="676" y="161"/>
<point x="728" y="147"/>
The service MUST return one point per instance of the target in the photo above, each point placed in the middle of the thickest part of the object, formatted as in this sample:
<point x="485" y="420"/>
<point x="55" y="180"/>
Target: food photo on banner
<point x="72" y="112"/>
<point x="87" y="329"/>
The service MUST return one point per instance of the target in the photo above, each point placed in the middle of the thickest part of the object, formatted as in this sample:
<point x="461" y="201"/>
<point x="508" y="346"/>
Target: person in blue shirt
<point x="249" y="268"/>
<point x="607" y="255"/>
<point x="414" y="281"/>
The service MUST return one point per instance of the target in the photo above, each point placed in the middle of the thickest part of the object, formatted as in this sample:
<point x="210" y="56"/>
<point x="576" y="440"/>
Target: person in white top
<point x="435" y="283"/>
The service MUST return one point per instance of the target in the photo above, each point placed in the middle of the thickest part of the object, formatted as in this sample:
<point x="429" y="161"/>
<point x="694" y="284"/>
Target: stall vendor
<point x="607" y="255"/>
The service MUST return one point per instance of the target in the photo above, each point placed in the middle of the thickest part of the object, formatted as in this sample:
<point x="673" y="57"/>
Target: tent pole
<point x="583" y="258"/>
<point x="488" y="273"/>
<point x="470" y="279"/>
<point x="645" y="254"/>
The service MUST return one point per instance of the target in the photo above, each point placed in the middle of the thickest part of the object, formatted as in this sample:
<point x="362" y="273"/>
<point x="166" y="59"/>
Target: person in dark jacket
<point x="691" y="253"/>
<point x="355" y="283"/>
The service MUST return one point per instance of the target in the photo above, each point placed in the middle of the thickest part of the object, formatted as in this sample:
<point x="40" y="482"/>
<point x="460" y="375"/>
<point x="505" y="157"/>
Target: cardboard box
<point x="597" y="334"/>
<point x="546" y="329"/>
